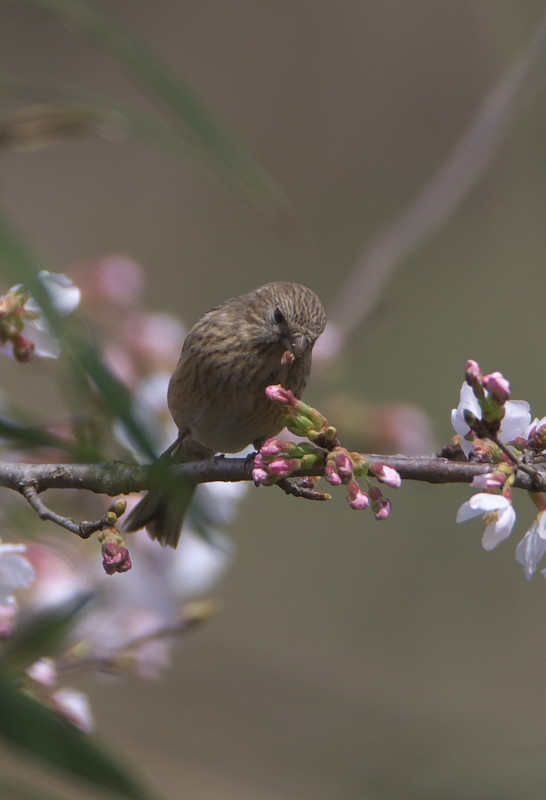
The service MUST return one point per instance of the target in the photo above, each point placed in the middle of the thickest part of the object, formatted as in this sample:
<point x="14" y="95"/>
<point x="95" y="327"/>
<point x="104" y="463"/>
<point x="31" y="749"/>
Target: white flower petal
<point x="532" y="547"/>
<point x="496" y="532"/>
<point x="516" y="420"/>
<point x="480" y="504"/>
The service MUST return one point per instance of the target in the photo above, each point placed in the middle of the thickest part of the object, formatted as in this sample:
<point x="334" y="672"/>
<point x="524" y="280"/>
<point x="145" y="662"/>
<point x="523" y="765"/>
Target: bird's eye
<point x="278" y="316"/>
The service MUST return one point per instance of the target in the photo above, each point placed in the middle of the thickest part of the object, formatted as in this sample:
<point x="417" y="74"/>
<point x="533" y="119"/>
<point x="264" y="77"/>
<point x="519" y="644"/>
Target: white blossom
<point x="496" y="511"/>
<point x="515" y="423"/>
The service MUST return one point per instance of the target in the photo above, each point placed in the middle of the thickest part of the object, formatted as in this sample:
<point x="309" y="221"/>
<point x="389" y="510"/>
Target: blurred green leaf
<point x="84" y="358"/>
<point x="24" y="435"/>
<point x="165" y="86"/>
<point x="37" y="730"/>
<point x="41" y="633"/>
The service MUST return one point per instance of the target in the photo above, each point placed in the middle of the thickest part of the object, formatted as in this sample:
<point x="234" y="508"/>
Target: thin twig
<point x="81" y="529"/>
<point x="448" y="187"/>
<point x="299" y="489"/>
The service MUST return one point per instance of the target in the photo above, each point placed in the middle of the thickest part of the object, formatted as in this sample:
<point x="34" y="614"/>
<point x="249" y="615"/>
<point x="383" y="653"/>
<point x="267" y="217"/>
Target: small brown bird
<point x="217" y="394"/>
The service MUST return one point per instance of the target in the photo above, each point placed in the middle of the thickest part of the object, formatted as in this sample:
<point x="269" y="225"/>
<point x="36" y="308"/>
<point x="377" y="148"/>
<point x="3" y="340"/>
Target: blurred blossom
<point x="150" y="598"/>
<point x="154" y="340"/>
<point x="26" y="332"/>
<point x="44" y="672"/>
<point x="74" y="707"/>
<point x="16" y="571"/>
<point x="8" y="614"/>
<point x="60" y="572"/>
<point x="496" y="511"/>
<point x="115" y="280"/>
<point x="328" y="346"/>
<point x="381" y="427"/>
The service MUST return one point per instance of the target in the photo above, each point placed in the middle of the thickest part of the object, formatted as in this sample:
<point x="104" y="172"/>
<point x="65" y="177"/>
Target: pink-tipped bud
<point x="259" y="475"/>
<point x="386" y="475"/>
<point x="473" y="374"/>
<point x="115" y="558"/>
<point x="273" y="447"/>
<point x="331" y="474"/>
<point x="344" y="463"/>
<point x="489" y="481"/>
<point x="282" y="467"/>
<point x="281" y="395"/>
<point x="497" y="386"/>
<point x="383" y="509"/>
<point x="381" y="505"/>
<point x="357" y="498"/>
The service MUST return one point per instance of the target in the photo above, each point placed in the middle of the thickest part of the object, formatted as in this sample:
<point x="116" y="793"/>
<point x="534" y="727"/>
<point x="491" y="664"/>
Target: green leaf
<point x="165" y="86"/>
<point x="38" y="731"/>
<point x="39" y="634"/>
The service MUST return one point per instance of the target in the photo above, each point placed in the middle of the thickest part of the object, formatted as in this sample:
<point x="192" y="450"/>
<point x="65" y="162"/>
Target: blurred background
<point x="351" y="659"/>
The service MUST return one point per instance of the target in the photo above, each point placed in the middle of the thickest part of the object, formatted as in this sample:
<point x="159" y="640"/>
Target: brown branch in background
<point x="438" y="199"/>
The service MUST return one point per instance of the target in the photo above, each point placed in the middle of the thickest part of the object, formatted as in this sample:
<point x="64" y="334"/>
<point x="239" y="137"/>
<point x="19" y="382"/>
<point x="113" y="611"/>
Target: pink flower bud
<point x="489" y="481"/>
<point x="473" y="374"/>
<point x="281" y="395"/>
<point x="344" y="463"/>
<point x="272" y="447"/>
<point x="381" y="505"/>
<point x="259" y="475"/>
<point x="386" y="475"/>
<point x="383" y="509"/>
<point x="497" y="386"/>
<point x="282" y="467"/>
<point x="356" y="498"/>
<point x="331" y="474"/>
<point x="115" y="558"/>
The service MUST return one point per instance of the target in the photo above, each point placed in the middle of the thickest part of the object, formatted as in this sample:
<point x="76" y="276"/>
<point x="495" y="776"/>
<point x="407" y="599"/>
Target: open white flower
<point x="496" y="511"/>
<point x="515" y="423"/>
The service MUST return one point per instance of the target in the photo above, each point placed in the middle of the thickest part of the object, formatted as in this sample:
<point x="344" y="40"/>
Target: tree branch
<point x="115" y="478"/>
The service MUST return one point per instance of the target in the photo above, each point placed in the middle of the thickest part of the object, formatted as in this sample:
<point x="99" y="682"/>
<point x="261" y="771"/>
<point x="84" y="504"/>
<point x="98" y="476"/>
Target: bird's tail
<point x="162" y="511"/>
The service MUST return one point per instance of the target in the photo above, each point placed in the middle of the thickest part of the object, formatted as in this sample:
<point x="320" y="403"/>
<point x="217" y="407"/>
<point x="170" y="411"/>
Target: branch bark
<point x="115" y="478"/>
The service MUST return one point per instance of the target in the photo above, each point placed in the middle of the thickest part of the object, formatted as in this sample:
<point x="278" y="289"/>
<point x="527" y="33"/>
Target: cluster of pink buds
<point x="278" y="459"/>
<point x="343" y="467"/>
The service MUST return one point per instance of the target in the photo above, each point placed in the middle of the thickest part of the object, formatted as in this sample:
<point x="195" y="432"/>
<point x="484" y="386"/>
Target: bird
<point x="216" y="394"/>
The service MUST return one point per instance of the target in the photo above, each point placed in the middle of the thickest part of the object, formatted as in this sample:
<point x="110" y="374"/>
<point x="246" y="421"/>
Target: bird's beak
<point x="299" y="344"/>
